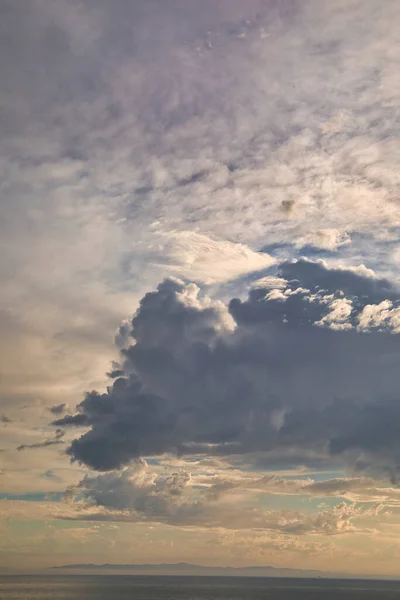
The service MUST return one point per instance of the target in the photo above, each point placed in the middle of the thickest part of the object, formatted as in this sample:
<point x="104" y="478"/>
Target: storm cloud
<point x="293" y="367"/>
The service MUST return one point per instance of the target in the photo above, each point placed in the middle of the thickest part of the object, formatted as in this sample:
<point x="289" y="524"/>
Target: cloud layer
<point x="212" y="142"/>
<point x="139" y="494"/>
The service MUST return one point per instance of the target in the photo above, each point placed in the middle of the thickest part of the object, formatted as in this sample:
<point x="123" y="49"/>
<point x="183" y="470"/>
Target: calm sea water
<point x="125" y="587"/>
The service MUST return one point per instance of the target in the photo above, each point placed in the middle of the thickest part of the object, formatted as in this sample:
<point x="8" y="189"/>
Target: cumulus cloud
<point x="139" y="491"/>
<point x="285" y="371"/>
<point x="382" y="316"/>
<point x="139" y="494"/>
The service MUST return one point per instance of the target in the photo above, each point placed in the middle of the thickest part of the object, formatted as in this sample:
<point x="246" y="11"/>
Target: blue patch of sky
<point x="321" y="503"/>
<point x="154" y="462"/>
<point x="312" y="469"/>
<point x="33" y="497"/>
<point x="239" y="287"/>
<point x="279" y="250"/>
<point x="315" y="475"/>
<point x="363" y="249"/>
<point x="326" y="475"/>
<point x="314" y="253"/>
<point x="285" y="251"/>
<point x="50" y="475"/>
<point x="366" y="249"/>
<point x="302" y="502"/>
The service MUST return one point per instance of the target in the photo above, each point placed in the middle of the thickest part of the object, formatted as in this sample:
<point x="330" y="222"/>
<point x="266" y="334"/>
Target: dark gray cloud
<point x="78" y="420"/>
<point x="353" y="282"/>
<point x="295" y="368"/>
<point x="56" y="440"/>
<point x="58" y="409"/>
<point x="115" y="372"/>
<point x="44" y="444"/>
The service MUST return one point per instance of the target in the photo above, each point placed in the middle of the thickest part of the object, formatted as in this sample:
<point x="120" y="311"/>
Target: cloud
<point x="58" y="409"/>
<point x="138" y="494"/>
<point x="290" y="371"/>
<point x="79" y="420"/>
<point x="358" y="489"/>
<point x="326" y="239"/>
<point x="206" y="260"/>
<point x="130" y="155"/>
<point x="54" y="441"/>
<point x="142" y="140"/>
<point x="382" y="316"/>
<point x="354" y="489"/>
<point x="139" y="491"/>
<point x="337" y="521"/>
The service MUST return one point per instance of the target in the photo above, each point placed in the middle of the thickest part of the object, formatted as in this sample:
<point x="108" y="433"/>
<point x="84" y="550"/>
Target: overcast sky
<point x="200" y="303"/>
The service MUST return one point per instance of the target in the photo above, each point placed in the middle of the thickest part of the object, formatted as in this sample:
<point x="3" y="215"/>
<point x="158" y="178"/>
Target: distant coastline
<point x="190" y="569"/>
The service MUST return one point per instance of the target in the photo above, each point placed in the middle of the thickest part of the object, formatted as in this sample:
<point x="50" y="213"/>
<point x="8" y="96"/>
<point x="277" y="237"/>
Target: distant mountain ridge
<point x="183" y="568"/>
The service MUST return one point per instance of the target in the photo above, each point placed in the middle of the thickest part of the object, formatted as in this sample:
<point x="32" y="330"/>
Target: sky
<point x="200" y="301"/>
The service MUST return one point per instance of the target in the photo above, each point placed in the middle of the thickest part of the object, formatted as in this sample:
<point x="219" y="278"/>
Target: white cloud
<point x="338" y="317"/>
<point x="139" y="494"/>
<point x="201" y="258"/>
<point x="380" y="316"/>
<point x="326" y="239"/>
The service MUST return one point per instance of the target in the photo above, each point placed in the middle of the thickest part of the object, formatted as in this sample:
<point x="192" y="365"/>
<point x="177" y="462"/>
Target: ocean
<point x="127" y="587"/>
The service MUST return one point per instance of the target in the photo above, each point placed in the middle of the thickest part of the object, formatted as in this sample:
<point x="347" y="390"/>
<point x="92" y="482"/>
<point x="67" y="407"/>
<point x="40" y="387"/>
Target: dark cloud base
<point x="307" y="365"/>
